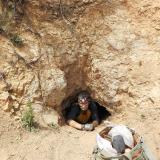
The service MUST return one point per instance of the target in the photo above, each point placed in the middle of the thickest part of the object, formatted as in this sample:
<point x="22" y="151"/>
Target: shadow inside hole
<point x="67" y="103"/>
<point x="103" y="113"/>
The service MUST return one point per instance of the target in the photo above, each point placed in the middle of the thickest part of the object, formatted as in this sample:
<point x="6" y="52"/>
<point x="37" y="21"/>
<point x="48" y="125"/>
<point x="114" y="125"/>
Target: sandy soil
<point x="63" y="143"/>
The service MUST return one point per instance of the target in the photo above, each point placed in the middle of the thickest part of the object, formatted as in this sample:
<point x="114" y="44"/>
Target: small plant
<point x="16" y="40"/>
<point x="28" y="118"/>
<point x="55" y="126"/>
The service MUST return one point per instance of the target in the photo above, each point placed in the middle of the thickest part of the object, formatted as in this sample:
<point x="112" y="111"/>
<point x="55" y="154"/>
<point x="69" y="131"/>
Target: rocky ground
<point x="65" y="142"/>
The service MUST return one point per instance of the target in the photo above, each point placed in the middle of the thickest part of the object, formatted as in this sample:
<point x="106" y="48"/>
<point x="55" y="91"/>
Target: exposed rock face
<point x="53" y="86"/>
<point x="111" y="47"/>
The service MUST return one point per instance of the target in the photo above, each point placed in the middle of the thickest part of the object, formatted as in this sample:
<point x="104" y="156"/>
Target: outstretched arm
<point x="95" y="123"/>
<point x="71" y="116"/>
<point x="75" y="124"/>
<point x="85" y="127"/>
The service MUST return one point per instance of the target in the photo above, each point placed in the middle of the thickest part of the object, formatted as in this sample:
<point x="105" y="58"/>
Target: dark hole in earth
<point x="102" y="112"/>
<point x="73" y="98"/>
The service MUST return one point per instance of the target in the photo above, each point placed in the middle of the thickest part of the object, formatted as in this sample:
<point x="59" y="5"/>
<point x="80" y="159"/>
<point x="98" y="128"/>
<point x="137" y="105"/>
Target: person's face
<point x="83" y="106"/>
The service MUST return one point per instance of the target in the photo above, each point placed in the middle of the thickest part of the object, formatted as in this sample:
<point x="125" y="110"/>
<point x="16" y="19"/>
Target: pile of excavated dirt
<point x="65" y="142"/>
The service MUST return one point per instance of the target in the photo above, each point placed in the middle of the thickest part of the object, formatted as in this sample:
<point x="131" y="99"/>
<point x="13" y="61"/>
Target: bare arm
<point x="75" y="124"/>
<point x="95" y="123"/>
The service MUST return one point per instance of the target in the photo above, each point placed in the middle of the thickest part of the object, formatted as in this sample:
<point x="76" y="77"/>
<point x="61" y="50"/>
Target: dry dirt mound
<point x="58" y="144"/>
<point x="63" y="143"/>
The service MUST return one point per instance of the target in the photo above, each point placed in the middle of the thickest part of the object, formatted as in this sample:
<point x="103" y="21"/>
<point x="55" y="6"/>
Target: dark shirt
<point x="83" y="116"/>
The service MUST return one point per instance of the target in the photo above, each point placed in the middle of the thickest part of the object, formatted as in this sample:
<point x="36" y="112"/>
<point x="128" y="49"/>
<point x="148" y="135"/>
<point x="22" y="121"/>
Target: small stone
<point x="12" y="110"/>
<point x="4" y="96"/>
<point x="18" y="127"/>
<point x="88" y="1"/>
<point x="13" y="97"/>
<point x="6" y="107"/>
<point x="16" y="118"/>
<point x="129" y="20"/>
<point x="85" y="1"/>
<point x="37" y="108"/>
<point x="16" y="105"/>
<point x="50" y="117"/>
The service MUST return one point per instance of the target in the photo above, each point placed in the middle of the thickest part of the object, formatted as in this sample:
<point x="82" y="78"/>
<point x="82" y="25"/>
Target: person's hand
<point x="88" y="127"/>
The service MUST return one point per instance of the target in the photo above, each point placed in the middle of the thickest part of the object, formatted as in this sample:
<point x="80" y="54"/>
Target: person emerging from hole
<point x="83" y="114"/>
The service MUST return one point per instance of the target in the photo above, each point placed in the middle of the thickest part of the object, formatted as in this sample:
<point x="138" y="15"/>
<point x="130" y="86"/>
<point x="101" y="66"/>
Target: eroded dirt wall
<point x="111" y="47"/>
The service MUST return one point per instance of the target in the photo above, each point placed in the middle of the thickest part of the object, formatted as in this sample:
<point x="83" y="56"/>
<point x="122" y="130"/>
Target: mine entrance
<point x="69" y="101"/>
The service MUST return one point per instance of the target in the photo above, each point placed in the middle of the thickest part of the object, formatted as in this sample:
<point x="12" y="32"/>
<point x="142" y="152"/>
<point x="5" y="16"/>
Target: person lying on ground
<point x="83" y="114"/>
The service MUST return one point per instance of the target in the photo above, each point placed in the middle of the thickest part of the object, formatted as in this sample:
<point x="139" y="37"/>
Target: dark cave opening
<point x="68" y="102"/>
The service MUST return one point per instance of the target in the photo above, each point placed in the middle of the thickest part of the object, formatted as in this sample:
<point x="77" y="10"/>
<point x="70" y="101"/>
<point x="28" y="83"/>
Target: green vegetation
<point x="11" y="14"/>
<point x="16" y="40"/>
<point x="28" y="118"/>
<point x="54" y="126"/>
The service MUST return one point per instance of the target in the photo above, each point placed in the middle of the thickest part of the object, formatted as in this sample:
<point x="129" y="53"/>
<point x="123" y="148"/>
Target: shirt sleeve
<point x="73" y="113"/>
<point x="94" y="112"/>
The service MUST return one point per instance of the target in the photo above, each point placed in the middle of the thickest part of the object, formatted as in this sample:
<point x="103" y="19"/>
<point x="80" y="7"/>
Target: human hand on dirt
<point x="88" y="127"/>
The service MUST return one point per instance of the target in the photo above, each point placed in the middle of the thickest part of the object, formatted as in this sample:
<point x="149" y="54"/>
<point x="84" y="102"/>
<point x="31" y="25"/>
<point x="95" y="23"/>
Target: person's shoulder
<point x="75" y="106"/>
<point x="93" y="105"/>
<point x="93" y="102"/>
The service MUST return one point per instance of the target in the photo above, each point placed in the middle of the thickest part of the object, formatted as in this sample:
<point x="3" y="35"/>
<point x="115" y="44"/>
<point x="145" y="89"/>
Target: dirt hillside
<point x="50" y="48"/>
<point x="65" y="142"/>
